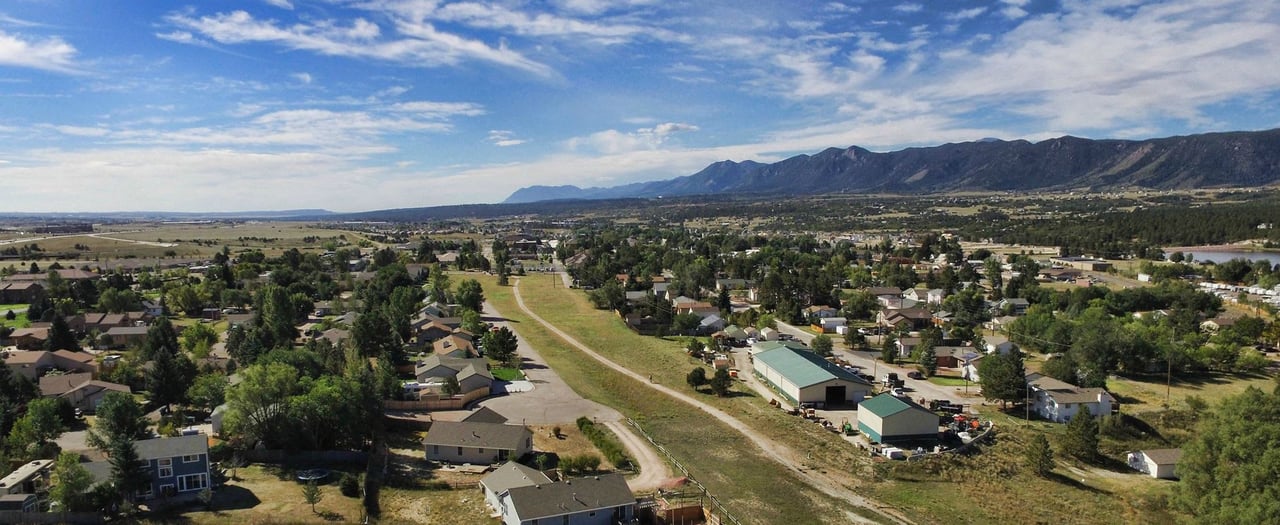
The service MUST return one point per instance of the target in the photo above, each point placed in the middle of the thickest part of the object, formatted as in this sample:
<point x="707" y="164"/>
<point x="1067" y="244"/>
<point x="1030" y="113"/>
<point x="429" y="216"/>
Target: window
<point x="166" y="467"/>
<point x="192" y="482"/>
<point x="192" y="458"/>
<point x="167" y="490"/>
<point x="459" y="451"/>
<point x="144" y="494"/>
<point x="435" y="449"/>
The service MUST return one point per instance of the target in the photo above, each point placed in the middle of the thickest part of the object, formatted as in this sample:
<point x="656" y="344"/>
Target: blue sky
<point x="367" y="104"/>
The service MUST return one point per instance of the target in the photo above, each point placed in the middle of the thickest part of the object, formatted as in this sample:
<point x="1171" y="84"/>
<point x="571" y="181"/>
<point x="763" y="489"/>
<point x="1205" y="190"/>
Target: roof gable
<point x="479" y="435"/>
<point x="570" y="497"/>
<point x="886" y="405"/>
<point x="804" y="368"/>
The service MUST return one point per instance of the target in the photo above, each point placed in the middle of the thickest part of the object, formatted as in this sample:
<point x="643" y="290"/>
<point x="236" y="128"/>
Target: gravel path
<point x="653" y="470"/>
<point x="789" y="458"/>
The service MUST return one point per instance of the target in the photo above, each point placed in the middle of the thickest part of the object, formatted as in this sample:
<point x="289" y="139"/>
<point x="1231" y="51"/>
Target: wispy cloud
<point x="504" y="138"/>
<point x="48" y="54"/>
<point x="612" y="141"/>
<point x="908" y="8"/>
<point x="416" y="43"/>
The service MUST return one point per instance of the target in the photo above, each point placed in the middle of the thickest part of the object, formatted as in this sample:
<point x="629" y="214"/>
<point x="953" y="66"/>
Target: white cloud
<point x="967" y="14"/>
<point x="304" y="78"/>
<point x="419" y="44"/>
<point x="495" y="17"/>
<point x="612" y="141"/>
<point x="282" y="4"/>
<point x="908" y="8"/>
<point x="504" y="138"/>
<point x="82" y="131"/>
<point x="439" y="110"/>
<point x="49" y="54"/>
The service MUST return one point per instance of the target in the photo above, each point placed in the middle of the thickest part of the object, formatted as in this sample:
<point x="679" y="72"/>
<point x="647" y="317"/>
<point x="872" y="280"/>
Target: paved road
<point x="919" y="388"/>
<point x="779" y="453"/>
<point x="551" y="401"/>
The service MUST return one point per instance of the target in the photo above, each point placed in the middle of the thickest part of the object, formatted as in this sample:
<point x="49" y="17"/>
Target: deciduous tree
<point x="1229" y="466"/>
<point x="1003" y="378"/>
<point x="71" y="483"/>
<point x="822" y="345"/>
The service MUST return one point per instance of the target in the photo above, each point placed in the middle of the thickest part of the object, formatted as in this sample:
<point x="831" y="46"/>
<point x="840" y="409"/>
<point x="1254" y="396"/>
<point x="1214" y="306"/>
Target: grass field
<point x="19" y="320"/>
<point x="1148" y="393"/>
<point x="949" y="381"/>
<point x="269" y="494"/>
<point x="756" y="489"/>
<point x="506" y="374"/>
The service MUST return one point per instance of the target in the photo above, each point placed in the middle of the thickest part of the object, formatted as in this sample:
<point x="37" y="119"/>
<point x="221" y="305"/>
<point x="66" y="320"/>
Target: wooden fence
<point x="430" y="402"/>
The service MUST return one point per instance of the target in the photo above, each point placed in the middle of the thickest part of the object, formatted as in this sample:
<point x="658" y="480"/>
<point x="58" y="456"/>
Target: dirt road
<point x="653" y="470"/>
<point x="828" y="485"/>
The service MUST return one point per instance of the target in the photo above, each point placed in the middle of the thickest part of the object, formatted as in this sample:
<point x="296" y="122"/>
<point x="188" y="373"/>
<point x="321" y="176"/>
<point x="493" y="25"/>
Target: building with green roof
<point x="890" y="419"/>
<point x="802" y="376"/>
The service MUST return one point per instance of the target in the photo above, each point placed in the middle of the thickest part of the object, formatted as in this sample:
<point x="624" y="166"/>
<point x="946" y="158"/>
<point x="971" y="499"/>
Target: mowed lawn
<point x="755" y="488"/>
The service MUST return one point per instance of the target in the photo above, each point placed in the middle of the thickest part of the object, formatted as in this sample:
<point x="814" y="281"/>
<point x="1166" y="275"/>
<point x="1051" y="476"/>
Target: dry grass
<point x="755" y="488"/>
<point x="268" y="494"/>
<point x="1148" y="393"/>
<point x="570" y="443"/>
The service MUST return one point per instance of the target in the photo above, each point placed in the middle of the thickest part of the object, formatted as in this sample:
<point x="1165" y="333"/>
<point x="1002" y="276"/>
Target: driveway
<point x="550" y="401"/>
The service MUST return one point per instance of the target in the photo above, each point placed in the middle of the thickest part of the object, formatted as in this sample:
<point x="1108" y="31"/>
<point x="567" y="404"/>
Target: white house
<point x="1159" y="463"/>
<point x="832" y="324"/>
<point x="1057" y="401"/>
<point x="802" y="376"/>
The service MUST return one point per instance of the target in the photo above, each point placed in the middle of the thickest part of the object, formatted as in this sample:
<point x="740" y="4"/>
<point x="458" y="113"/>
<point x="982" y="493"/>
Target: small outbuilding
<point x="890" y="419"/>
<point x="1159" y="463"/>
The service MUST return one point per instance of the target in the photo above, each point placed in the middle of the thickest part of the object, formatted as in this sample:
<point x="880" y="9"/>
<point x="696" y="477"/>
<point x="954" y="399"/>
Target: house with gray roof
<point x="471" y="373"/>
<point x="802" y="376"/>
<point x="476" y="443"/>
<point x="1058" y="401"/>
<point x="594" y="500"/>
<point x="506" y="477"/>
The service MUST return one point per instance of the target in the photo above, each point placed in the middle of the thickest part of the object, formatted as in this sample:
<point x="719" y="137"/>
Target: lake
<point x="1221" y="257"/>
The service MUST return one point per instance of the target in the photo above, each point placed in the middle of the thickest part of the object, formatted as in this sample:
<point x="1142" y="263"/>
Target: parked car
<point x="915" y="375"/>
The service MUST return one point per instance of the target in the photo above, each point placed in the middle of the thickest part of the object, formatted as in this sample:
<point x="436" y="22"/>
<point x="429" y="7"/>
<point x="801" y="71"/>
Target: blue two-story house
<point x="179" y="466"/>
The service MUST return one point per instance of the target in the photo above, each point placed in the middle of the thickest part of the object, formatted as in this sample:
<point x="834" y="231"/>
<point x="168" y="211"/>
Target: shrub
<point x="349" y="485"/>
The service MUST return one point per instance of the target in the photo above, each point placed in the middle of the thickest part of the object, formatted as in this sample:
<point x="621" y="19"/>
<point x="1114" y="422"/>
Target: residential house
<point x="1212" y="326"/>
<point x="890" y="419"/>
<point x="711" y="323"/>
<point x="30" y="338"/>
<point x="1015" y="306"/>
<point x="471" y="374"/>
<point x="907" y="318"/>
<point x="506" y="477"/>
<point x="907" y="345"/>
<point x="485" y="415"/>
<point x="24" y="292"/>
<point x="80" y="389"/>
<point x="335" y="335"/>
<point x="733" y="284"/>
<point x="1159" y="463"/>
<point x="802" y="376"/>
<point x="952" y="356"/>
<point x="888" y="296"/>
<point x="1057" y="401"/>
<point x="735" y="334"/>
<point x="122" y="336"/>
<point x="831" y="324"/>
<point x="456" y="344"/>
<point x="20" y="502"/>
<point x="36" y="363"/>
<point x="930" y="296"/>
<point x="822" y="312"/>
<point x="31" y="478"/>
<point x="178" y="467"/>
<point x="1001" y="323"/>
<point x="595" y="500"/>
<point x="477" y="443"/>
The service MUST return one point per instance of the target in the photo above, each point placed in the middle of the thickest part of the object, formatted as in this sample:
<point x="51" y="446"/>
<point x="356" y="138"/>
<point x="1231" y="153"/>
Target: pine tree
<point x="312" y="495"/>
<point x="929" y="361"/>
<point x="1081" y="439"/>
<point x="127" y="468"/>
<point x="60" y="336"/>
<point x="1039" y="456"/>
<point x="721" y="382"/>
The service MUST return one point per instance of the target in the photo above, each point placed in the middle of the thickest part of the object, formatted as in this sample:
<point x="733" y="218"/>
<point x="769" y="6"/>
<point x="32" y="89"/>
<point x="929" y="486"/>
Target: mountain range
<point x="1230" y="159"/>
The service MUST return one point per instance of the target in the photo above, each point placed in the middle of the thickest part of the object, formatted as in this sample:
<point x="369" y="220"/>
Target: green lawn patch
<point x="949" y="381"/>
<point x="20" y="321"/>
<point x="506" y="374"/>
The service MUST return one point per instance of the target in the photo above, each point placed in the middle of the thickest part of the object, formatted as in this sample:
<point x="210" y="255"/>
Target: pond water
<point x="1221" y="257"/>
